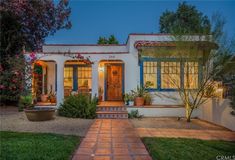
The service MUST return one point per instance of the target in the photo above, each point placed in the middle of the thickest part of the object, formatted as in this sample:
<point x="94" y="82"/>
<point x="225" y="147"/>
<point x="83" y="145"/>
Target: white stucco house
<point x="115" y="69"/>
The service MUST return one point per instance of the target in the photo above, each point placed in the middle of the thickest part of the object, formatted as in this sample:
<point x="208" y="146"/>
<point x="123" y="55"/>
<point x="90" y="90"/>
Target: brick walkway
<point x="187" y="133"/>
<point x="111" y="140"/>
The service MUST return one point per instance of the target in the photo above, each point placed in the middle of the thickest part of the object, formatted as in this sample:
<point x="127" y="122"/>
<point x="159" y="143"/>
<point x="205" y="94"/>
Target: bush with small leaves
<point x="78" y="106"/>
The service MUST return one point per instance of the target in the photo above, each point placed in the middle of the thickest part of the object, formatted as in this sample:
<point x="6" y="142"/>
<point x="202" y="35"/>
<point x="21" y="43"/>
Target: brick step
<point x="112" y="115"/>
<point x="111" y="108"/>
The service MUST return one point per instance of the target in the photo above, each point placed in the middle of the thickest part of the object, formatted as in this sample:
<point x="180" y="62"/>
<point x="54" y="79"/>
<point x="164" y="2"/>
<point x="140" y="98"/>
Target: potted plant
<point x="52" y="97"/>
<point x="44" y="97"/>
<point x="32" y="113"/>
<point x="148" y="98"/>
<point x="139" y="95"/>
<point x="131" y="99"/>
<point x="126" y="98"/>
<point x="25" y="102"/>
<point x="100" y="94"/>
<point x="39" y="113"/>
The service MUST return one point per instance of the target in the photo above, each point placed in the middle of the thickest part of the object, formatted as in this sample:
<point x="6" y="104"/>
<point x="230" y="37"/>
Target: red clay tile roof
<point x="139" y="44"/>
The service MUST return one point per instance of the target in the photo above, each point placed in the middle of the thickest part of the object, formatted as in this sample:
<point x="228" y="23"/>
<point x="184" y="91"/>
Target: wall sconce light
<point x="101" y="68"/>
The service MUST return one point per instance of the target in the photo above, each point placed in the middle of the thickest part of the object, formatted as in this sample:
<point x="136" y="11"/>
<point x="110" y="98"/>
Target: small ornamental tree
<point x="25" y="25"/>
<point x="37" y="19"/>
<point x="194" y="53"/>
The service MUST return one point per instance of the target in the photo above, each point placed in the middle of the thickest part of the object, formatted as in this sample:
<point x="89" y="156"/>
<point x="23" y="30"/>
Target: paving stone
<point x="122" y="157"/>
<point x="82" y="157"/>
<point x="103" y="151"/>
<point x="120" y="145"/>
<point x="103" y="145"/>
<point x="142" y="158"/>
<point x="84" y="151"/>
<point x="111" y="140"/>
<point x="121" y="151"/>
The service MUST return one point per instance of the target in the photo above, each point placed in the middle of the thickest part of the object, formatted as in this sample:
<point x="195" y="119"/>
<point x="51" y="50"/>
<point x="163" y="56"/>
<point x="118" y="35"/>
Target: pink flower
<point x="16" y="72"/>
<point x="32" y="54"/>
<point x="2" y="86"/>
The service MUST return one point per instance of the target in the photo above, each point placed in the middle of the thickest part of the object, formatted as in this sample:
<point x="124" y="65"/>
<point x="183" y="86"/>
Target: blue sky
<point x="91" y="19"/>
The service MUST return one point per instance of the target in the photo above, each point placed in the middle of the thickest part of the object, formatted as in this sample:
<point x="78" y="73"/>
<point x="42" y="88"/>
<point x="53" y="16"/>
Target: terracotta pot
<point x="139" y="101"/>
<point x="40" y="114"/>
<point x="53" y="100"/>
<point x="44" y="98"/>
<point x="100" y="98"/>
<point x="148" y="103"/>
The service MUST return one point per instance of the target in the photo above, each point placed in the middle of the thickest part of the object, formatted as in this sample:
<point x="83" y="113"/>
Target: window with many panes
<point x="170" y="75"/>
<point x="84" y="78"/>
<point x="68" y="77"/>
<point x="191" y="75"/>
<point x="150" y="73"/>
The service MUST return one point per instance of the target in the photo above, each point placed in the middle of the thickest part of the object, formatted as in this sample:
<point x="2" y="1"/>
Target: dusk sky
<point x="91" y="19"/>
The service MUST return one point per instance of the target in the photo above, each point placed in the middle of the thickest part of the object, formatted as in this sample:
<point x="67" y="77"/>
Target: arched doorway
<point x="44" y="82"/>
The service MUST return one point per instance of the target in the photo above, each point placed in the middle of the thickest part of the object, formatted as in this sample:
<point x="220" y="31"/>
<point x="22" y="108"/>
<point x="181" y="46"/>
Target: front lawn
<point x="37" y="146"/>
<point x="187" y="149"/>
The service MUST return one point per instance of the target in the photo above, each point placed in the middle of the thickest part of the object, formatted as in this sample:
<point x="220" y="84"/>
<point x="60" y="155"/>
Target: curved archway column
<point x="95" y="79"/>
<point x="60" y="82"/>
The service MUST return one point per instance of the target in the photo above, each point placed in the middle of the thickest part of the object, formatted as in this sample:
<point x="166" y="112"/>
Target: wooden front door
<point x="114" y="82"/>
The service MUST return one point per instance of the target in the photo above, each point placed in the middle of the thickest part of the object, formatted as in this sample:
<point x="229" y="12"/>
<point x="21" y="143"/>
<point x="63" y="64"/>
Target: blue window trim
<point x="159" y="60"/>
<point x="123" y="78"/>
<point x="105" y="82"/>
<point x="182" y="74"/>
<point x="200" y="70"/>
<point x="55" y="77"/>
<point x="75" y="79"/>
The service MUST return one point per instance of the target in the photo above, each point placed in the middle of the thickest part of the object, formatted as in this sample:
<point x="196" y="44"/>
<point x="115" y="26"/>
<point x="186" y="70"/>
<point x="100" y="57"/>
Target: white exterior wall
<point x="218" y="111"/>
<point x="166" y="98"/>
<point x="131" y="78"/>
<point x="215" y="111"/>
<point x="126" y="53"/>
<point x="162" y="112"/>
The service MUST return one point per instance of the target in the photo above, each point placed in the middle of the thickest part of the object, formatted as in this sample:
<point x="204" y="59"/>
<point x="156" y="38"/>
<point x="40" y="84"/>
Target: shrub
<point x="134" y="114"/>
<point x="25" y="102"/>
<point x="78" y="106"/>
<point x="232" y="98"/>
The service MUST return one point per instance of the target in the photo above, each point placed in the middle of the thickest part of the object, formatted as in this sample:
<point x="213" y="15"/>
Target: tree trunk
<point x="188" y="112"/>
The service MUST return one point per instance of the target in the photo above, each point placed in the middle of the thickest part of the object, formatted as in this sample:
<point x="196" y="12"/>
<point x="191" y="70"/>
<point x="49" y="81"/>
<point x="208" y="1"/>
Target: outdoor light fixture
<point x="101" y="68"/>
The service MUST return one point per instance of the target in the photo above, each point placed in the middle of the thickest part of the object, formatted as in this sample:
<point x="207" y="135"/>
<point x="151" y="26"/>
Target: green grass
<point x="36" y="146"/>
<point x="187" y="149"/>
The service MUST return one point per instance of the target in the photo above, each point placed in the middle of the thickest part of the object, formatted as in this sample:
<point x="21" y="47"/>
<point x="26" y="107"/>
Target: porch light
<point x="101" y="68"/>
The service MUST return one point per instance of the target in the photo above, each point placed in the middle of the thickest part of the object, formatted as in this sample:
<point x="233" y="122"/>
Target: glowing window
<point x="68" y="77"/>
<point x="84" y="78"/>
<point x="150" y="73"/>
<point x="191" y="75"/>
<point x="170" y="75"/>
